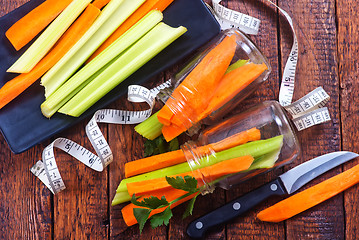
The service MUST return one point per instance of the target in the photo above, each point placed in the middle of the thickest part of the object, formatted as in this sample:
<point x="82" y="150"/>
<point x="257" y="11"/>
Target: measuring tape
<point x="228" y="18"/>
<point x="46" y="169"/>
<point x="306" y="112"/>
<point x="309" y="110"/>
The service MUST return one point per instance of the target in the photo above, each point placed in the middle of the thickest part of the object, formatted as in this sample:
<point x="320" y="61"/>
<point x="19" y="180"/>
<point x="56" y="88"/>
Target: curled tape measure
<point x="306" y="112"/>
<point x="309" y="110"/>
<point x="228" y="18"/>
<point x="46" y="169"/>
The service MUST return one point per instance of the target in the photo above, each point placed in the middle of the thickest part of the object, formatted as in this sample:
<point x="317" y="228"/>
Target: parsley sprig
<point x="186" y="183"/>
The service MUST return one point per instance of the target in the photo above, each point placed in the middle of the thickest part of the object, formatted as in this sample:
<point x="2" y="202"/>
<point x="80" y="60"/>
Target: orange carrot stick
<point x="171" y="194"/>
<point x="16" y="86"/>
<point x="207" y="174"/>
<point x="25" y="29"/>
<point x="231" y="84"/>
<point x="100" y="3"/>
<point x="193" y="94"/>
<point x="175" y="157"/>
<point x="134" y="18"/>
<point x="310" y="197"/>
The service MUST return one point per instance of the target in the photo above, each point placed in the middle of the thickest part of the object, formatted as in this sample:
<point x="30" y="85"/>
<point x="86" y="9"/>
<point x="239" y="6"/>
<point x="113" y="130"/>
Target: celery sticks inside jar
<point x="225" y="72"/>
<point x="226" y="154"/>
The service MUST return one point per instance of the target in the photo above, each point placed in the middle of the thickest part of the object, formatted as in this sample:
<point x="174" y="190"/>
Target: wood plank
<point x="26" y="202"/>
<point x="127" y="145"/>
<point x="81" y="210"/>
<point x="247" y="226"/>
<point x="348" y="39"/>
<point x="315" y="26"/>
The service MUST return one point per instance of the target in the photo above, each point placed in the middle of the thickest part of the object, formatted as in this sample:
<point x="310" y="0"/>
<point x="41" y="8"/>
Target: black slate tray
<point x="21" y="121"/>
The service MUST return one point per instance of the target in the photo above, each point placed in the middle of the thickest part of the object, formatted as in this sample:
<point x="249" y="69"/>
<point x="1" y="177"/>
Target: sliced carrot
<point x="100" y="3"/>
<point x="310" y="197"/>
<point x="14" y="87"/>
<point x="154" y="162"/>
<point x="231" y="84"/>
<point x="25" y="29"/>
<point x="175" y="157"/>
<point x="172" y="194"/>
<point x="192" y="95"/>
<point x="134" y="18"/>
<point x="171" y="131"/>
<point x="207" y="174"/>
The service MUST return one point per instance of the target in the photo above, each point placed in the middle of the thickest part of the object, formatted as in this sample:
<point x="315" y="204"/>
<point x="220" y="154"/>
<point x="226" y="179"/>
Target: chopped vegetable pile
<point x="155" y="178"/>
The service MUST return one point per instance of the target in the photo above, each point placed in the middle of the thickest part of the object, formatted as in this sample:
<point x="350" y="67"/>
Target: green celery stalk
<point x="151" y="128"/>
<point x="67" y="90"/>
<point x="255" y="149"/>
<point x="263" y="150"/>
<point x="49" y="37"/>
<point x="266" y="161"/>
<point x="130" y="61"/>
<point x="236" y="65"/>
<point x="111" y="17"/>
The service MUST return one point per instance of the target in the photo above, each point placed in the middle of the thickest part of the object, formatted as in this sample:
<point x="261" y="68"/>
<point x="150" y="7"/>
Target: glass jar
<point x="205" y="100"/>
<point x="253" y="142"/>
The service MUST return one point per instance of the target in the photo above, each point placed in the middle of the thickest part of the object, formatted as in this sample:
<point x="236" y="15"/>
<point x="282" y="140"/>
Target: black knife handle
<point x="198" y="227"/>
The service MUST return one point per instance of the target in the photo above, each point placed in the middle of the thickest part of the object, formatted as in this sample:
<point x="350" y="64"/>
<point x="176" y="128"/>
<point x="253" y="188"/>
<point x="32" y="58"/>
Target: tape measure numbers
<point x="306" y="112"/>
<point x="46" y="169"/>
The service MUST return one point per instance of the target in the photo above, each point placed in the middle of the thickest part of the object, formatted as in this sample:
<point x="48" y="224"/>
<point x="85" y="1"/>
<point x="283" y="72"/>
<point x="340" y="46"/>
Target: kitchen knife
<point x="286" y="183"/>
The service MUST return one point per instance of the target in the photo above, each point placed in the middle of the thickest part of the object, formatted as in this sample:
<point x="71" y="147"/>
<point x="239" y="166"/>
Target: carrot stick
<point x="25" y="29"/>
<point x="172" y="194"/>
<point x="175" y="157"/>
<point x="232" y="83"/>
<point x="310" y="197"/>
<point x="100" y="3"/>
<point x="207" y="174"/>
<point x="135" y="17"/>
<point x="192" y="95"/>
<point x="16" y="86"/>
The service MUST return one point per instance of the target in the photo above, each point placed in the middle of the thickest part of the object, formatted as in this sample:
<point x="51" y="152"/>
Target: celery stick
<point x="255" y="149"/>
<point x="71" y="87"/>
<point x="48" y="112"/>
<point x="112" y="16"/>
<point x="49" y="37"/>
<point x="266" y="161"/>
<point x="130" y="61"/>
<point x="120" y="197"/>
<point x="151" y="128"/>
<point x="236" y="65"/>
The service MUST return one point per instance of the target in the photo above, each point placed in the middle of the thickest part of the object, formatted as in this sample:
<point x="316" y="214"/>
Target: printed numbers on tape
<point x="309" y="110"/>
<point x="228" y="18"/>
<point x="306" y="112"/>
<point x="46" y="169"/>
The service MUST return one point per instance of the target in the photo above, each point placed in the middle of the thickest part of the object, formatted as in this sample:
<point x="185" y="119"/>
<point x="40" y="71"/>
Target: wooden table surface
<point x="328" y="41"/>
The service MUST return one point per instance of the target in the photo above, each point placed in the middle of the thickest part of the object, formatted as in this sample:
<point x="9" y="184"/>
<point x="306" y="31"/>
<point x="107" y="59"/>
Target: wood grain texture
<point x="348" y="39"/>
<point x="328" y="36"/>
<point x="316" y="29"/>
<point x="80" y="212"/>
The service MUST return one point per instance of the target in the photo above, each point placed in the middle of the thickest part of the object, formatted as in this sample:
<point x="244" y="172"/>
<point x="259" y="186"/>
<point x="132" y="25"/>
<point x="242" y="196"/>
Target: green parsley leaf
<point x="189" y="208"/>
<point x="161" y="218"/>
<point x="186" y="183"/>
<point x="151" y="202"/>
<point x="141" y="215"/>
<point x="159" y="145"/>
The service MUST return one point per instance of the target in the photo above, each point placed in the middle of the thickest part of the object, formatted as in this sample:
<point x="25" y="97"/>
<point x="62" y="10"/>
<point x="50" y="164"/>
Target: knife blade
<point x="286" y="183"/>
